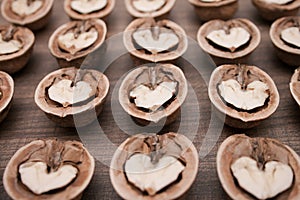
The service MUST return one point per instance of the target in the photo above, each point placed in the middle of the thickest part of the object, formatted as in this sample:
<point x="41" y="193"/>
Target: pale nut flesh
<point x="266" y="182"/>
<point x="147" y="176"/>
<point x="148" y="6"/>
<point x="36" y="177"/>
<point x="10" y="46"/>
<point x="291" y="36"/>
<point x="26" y="7"/>
<point x="253" y="96"/>
<point x="156" y="39"/>
<point x="279" y="2"/>
<point x="73" y="42"/>
<point x="88" y="6"/>
<point x="152" y="99"/>
<point x="211" y="1"/>
<point x="231" y="38"/>
<point x="67" y="93"/>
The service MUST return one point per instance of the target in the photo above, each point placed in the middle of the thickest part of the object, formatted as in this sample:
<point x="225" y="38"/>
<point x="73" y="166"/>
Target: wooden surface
<point x="26" y="122"/>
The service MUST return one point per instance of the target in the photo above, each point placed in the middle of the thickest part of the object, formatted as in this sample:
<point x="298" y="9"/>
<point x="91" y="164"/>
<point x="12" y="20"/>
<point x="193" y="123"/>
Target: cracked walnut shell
<point x="270" y="162"/>
<point x="146" y="8"/>
<point x="32" y="14"/>
<point x="242" y="95"/>
<point x="273" y="9"/>
<point x="72" y="42"/>
<point x="285" y="36"/>
<point x="170" y="151"/>
<point x="229" y="41"/>
<point x="16" y="46"/>
<point x="39" y="164"/>
<point x="72" y="97"/>
<point x="153" y="94"/>
<point x="84" y="10"/>
<point x="155" y="41"/>
<point x="6" y="94"/>
<point x="215" y="9"/>
<point x="295" y="86"/>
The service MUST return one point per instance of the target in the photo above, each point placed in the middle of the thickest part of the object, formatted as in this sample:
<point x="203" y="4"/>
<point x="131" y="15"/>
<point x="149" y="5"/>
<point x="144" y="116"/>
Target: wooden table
<point x="26" y="122"/>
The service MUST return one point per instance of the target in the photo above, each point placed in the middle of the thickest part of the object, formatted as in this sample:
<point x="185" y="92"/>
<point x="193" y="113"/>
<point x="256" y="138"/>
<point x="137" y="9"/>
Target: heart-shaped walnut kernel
<point x="274" y="178"/>
<point x="139" y="168"/>
<point x="151" y="94"/>
<point x="251" y="97"/>
<point x="36" y="177"/>
<point x="242" y="95"/>
<point x="88" y="6"/>
<point x="291" y="36"/>
<point x="260" y="168"/>
<point x="49" y="169"/>
<point x="229" y="41"/>
<point x="73" y="41"/>
<point x="231" y="38"/>
<point x="155" y="41"/>
<point x="148" y="5"/>
<point x="65" y="93"/>
<point x="26" y="7"/>
<point x="151" y="166"/>
<point x="71" y="94"/>
<point x="10" y="46"/>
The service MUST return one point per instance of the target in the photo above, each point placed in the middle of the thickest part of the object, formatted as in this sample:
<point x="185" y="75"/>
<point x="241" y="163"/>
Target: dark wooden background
<point x="26" y="122"/>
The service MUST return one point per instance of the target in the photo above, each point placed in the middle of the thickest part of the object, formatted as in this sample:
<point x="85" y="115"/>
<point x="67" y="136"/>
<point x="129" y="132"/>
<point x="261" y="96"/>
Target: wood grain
<point x="26" y="122"/>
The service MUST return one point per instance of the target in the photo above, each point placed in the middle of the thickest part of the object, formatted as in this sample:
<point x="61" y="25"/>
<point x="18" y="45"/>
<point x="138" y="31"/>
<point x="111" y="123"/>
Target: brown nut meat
<point x="155" y="41"/>
<point x="49" y="169"/>
<point x="295" y="86"/>
<point x="285" y="36"/>
<point x="215" y="9"/>
<point x="71" y="93"/>
<point x="92" y="9"/>
<point x="146" y="8"/>
<point x="73" y="41"/>
<point x="274" y="9"/>
<point x="258" y="168"/>
<point x="229" y="41"/>
<point x="16" y="46"/>
<point x="153" y="94"/>
<point x="172" y="165"/>
<point x="6" y="94"/>
<point x="33" y="14"/>
<point x="246" y="95"/>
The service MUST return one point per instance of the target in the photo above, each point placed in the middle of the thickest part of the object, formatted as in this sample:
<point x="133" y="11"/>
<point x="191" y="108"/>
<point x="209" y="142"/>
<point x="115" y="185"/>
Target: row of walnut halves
<point x="245" y="94"/>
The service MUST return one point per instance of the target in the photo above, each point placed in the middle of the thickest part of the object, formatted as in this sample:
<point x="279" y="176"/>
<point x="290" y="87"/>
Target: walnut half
<point x="49" y="169"/>
<point x="71" y="93"/>
<point x="153" y="94"/>
<point x="6" y="94"/>
<point x="244" y="94"/>
<point x="258" y="168"/>
<point x="295" y="86"/>
<point x="151" y="166"/>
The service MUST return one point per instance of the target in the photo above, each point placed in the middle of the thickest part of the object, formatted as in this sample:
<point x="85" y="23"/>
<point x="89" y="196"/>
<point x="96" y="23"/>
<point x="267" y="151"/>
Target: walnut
<point x="34" y="14"/>
<point x="263" y="168"/>
<point x="285" y="36"/>
<point x="155" y="41"/>
<point x="244" y="94"/>
<point x="154" y="166"/>
<point x="153" y="94"/>
<point x="49" y="169"/>
<point x="71" y="93"/>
